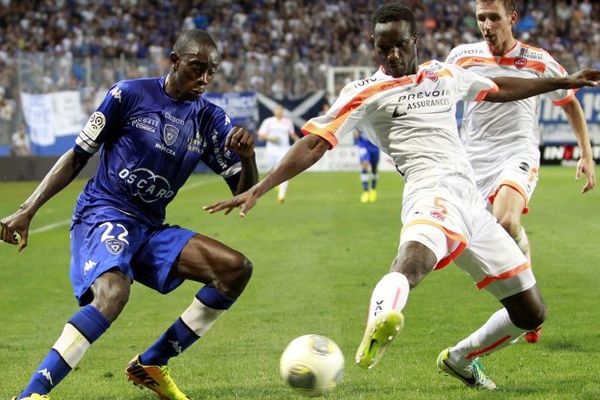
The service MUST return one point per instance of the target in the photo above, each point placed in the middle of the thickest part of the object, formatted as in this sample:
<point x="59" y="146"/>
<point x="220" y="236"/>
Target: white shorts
<point x="519" y="172"/>
<point x="471" y="237"/>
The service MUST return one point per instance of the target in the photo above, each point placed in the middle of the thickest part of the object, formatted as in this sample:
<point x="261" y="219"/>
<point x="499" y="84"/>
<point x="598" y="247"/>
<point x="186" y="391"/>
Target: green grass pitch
<point x="316" y="259"/>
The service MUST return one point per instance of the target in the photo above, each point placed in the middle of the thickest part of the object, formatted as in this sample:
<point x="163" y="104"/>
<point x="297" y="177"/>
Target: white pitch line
<point x="58" y="224"/>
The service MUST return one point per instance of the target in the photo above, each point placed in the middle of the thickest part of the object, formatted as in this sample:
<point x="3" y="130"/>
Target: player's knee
<point x="111" y="294"/>
<point x="511" y="224"/>
<point x="239" y="272"/>
<point x="531" y="318"/>
<point x="414" y="261"/>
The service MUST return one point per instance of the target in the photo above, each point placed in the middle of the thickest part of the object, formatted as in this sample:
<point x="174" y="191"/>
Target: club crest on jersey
<point x="114" y="246"/>
<point x="431" y="75"/>
<point x="520" y="62"/>
<point x="170" y="134"/>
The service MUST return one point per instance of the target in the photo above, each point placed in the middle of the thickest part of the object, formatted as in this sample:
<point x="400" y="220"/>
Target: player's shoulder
<point x="533" y="52"/>
<point x="210" y="107"/>
<point x="477" y="49"/>
<point x="361" y="84"/>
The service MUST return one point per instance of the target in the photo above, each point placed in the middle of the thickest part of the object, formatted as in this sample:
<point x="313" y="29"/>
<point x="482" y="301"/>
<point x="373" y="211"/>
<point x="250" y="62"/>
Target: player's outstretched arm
<point x="511" y="89"/>
<point x="585" y="164"/>
<point x="302" y="155"/>
<point x="16" y="226"/>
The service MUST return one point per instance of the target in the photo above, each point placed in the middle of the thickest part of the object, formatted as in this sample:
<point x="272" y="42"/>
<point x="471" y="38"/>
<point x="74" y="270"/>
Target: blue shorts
<point x="368" y="153"/>
<point x="106" y="239"/>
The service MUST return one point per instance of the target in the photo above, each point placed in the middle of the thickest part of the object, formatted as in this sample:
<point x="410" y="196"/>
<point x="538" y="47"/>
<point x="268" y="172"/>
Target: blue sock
<point x="171" y="343"/>
<point x="53" y="369"/>
<point x="179" y="336"/>
<point x="364" y="178"/>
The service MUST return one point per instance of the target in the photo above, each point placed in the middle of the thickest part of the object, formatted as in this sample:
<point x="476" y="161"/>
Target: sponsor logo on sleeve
<point x="94" y="125"/>
<point x="116" y="93"/>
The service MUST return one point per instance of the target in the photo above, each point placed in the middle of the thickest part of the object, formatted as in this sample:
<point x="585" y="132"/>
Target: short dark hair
<point x="509" y="5"/>
<point x="189" y="41"/>
<point x="394" y="12"/>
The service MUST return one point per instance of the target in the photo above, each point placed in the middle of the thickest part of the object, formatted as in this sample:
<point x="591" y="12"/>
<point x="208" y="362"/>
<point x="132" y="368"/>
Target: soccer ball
<point x="312" y="364"/>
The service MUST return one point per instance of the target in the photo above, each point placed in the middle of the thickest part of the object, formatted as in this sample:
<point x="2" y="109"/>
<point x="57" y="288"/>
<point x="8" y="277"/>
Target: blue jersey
<point x="150" y="146"/>
<point x="363" y="141"/>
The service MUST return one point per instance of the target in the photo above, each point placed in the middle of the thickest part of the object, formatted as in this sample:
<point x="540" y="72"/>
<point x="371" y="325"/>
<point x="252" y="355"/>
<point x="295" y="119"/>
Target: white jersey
<point x="494" y="131"/>
<point x="281" y="130"/>
<point x="410" y="118"/>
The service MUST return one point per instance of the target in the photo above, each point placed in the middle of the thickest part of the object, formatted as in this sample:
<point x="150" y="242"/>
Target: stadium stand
<point x="280" y="48"/>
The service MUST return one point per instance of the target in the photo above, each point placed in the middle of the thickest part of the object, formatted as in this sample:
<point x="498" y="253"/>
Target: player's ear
<point x="513" y="17"/>
<point x="174" y="58"/>
<point x="415" y="37"/>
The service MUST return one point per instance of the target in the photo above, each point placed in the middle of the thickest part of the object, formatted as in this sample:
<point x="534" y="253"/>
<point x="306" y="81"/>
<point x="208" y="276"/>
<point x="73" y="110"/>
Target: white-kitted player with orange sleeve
<point x="408" y="112"/>
<point x="502" y="139"/>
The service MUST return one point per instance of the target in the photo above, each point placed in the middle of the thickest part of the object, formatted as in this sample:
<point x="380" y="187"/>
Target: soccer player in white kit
<point x="277" y="131"/>
<point x="408" y="111"/>
<point x="501" y="139"/>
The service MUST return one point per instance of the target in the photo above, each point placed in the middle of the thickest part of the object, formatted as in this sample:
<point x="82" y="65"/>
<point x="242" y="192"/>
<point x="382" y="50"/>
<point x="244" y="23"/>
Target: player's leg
<point x="282" y="191"/>
<point x="496" y="264"/>
<point x="363" y="156"/>
<point x="225" y="273"/>
<point x="373" y="163"/>
<point x="98" y="244"/>
<point x="508" y="207"/>
<point x="422" y="246"/>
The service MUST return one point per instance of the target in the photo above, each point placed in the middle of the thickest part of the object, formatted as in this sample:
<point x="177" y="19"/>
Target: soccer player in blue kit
<point x="153" y="132"/>
<point x="368" y="154"/>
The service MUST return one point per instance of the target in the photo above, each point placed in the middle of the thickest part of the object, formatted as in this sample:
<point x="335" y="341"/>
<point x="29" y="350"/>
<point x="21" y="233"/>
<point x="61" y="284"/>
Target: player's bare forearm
<point x="511" y="89"/>
<point x="301" y="156"/>
<point x="577" y="121"/>
<point x="64" y="171"/>
<point x="15" y="227"/>
<point x="249" y="174"/>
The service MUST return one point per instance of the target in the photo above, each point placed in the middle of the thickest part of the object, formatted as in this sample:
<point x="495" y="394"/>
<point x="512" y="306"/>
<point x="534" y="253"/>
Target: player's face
<point x="495" y="24"/>
<point x="396" y="47"/>
<point x="193" y="72"/>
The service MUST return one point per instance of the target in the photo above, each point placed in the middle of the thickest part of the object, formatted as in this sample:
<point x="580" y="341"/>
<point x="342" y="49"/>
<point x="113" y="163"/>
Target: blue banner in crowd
<point x="241" y="107"/>
<point x="55" y="119"/>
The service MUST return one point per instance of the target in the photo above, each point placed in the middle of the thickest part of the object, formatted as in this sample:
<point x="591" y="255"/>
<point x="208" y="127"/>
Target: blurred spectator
<point x="20" y="145"/>
<point x="278" y="47"/>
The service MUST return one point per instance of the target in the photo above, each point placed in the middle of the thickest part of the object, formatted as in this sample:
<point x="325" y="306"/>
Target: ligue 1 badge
<point x="520" y="62"/>
<point x="170" y="134"/>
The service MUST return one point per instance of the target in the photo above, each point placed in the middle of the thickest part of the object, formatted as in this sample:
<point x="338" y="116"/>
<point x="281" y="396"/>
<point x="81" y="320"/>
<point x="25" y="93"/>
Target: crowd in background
<point x="281" y="48"/>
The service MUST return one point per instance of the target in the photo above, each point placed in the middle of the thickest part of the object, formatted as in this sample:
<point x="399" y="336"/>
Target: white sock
<point x="390" y="293"/>
<point x="496" y="333"/>
<point x="199" y="317"/>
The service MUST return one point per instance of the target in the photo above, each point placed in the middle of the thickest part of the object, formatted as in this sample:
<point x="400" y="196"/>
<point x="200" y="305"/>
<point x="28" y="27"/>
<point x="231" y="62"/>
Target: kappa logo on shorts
<point x="115" y="246"/>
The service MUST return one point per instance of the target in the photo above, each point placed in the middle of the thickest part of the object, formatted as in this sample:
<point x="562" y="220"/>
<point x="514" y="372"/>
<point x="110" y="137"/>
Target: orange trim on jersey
<point x="328" y="132"/>
<point x="488" y="348"/>
<point x="481" y="96"/>
<point x="311" y="127"/>
<point x="505" y="275"/>
<point x="449" y="235"/>
<point x="514" y="185"/>
<point x="538" y="66"/>
<point x="567" y="99"/>
<point x="469" y="61"/>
